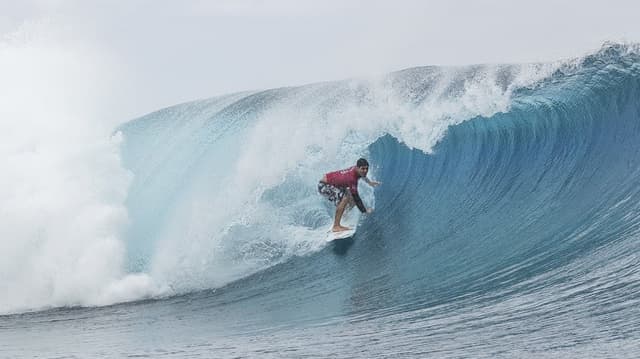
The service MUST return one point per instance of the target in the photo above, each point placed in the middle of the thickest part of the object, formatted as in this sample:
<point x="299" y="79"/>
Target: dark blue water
<point x="513" y="235"/>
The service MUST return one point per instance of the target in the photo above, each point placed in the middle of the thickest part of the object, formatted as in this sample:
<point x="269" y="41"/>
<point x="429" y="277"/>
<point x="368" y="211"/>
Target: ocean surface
<point x="507" y="224"/>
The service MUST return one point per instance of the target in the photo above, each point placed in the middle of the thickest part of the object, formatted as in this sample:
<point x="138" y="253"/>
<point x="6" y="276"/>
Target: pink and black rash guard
<point x="347" y="178"/>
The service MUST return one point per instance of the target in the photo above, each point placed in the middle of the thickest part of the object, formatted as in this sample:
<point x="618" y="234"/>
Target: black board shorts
<point x="332" y="193"/>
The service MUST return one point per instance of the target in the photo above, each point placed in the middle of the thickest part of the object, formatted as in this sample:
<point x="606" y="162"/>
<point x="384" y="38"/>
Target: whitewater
<point x="507" y="223"/>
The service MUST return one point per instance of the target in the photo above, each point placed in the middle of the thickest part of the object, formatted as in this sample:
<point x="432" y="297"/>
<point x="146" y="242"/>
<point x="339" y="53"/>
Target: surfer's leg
<point x="339" y="212"/>
<point x="351" y="203"/>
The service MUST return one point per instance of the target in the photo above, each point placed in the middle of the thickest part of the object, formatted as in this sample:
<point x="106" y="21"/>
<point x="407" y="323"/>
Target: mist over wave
<point x="62" y="185"/>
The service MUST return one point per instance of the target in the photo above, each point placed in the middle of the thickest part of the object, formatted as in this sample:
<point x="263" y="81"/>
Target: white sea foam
<point x="62" y="185"/>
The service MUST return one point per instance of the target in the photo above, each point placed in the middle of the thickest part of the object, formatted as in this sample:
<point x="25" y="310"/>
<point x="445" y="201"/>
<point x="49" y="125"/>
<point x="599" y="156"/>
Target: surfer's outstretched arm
<point x="372" y="183"/>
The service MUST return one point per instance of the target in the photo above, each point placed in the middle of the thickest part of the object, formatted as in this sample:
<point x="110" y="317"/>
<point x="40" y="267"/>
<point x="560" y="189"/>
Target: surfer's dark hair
<point x="362" y="162"/>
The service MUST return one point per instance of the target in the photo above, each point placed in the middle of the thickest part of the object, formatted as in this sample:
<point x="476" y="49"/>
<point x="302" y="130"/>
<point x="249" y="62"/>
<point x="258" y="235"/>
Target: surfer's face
<point x="362" y="171"/>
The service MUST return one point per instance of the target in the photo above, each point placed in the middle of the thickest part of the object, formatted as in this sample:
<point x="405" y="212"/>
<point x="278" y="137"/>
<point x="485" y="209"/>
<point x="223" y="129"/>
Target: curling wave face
<point x="226" y="187"/>
<point x="521" y="213"/>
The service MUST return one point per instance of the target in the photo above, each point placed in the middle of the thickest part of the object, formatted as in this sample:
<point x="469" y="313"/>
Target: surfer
<point x="341" y="188"/>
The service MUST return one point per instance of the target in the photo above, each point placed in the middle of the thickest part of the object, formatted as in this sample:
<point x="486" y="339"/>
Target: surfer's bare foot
<point x="339" y="228"/>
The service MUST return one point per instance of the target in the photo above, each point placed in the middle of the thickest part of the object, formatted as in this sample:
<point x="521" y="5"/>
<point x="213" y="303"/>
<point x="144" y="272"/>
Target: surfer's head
<point x="362" y="167"/>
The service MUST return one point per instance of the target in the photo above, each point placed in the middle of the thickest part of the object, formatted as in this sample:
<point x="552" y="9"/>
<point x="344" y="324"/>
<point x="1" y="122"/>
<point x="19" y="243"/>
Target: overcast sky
<point x="175" y="51"/>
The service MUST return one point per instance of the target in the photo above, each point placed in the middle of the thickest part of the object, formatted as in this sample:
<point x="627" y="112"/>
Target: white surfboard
<point x="331" y="235"/>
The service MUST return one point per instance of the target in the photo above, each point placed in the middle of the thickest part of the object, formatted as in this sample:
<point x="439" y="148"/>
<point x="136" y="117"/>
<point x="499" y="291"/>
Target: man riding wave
<point x="341" y="188"/>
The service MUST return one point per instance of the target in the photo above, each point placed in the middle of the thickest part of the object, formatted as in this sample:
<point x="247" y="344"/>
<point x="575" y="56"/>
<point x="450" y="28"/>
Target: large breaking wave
<point x="500" y="183"/>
